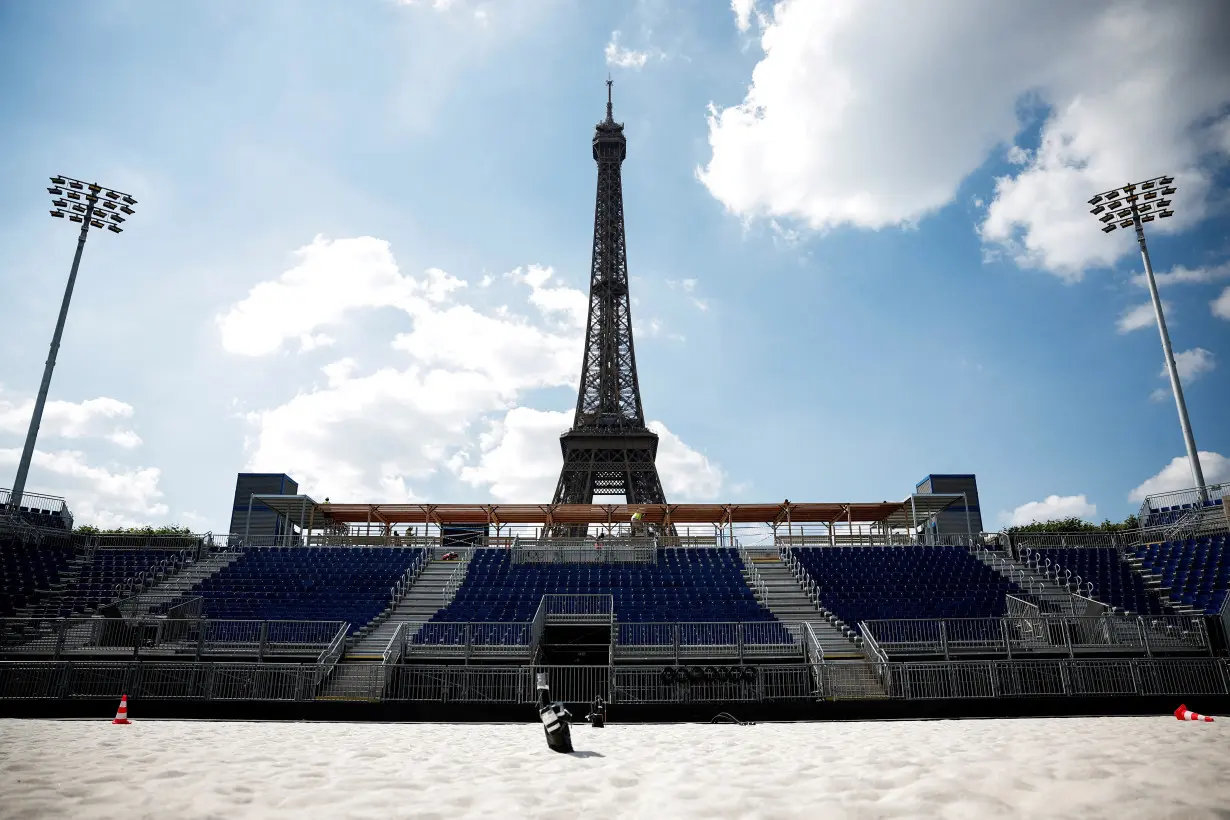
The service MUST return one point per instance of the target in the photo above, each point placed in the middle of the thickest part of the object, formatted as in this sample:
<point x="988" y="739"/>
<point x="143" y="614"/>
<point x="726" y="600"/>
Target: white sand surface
<point x="1151" y="767"/>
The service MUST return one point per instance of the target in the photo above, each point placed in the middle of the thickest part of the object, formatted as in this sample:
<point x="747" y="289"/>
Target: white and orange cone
<point x="1183" y="713"/>
<point x="121" y="716"/>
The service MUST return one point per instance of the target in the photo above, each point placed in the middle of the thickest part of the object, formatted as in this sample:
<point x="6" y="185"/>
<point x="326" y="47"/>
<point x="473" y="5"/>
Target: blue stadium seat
<point x="1113" y="581"/>
<point x="874" y="583"/>
<point x="683" y="585"/>
<point x="1197" y="570"/>
<point x="306" y="584"/>
<point x="27" y="572"/>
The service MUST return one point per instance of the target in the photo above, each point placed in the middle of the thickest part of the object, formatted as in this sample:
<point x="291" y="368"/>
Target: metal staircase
<point x="777" y="589"/>
<point x="431" y="591"/>
<point x="179" y="584"/>
<point x="1156" y="584"/>
<point x="1052" y="597"/>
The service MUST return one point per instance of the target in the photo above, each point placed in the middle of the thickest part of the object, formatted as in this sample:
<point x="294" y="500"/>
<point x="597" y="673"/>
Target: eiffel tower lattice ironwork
<point x="609" y="450"/>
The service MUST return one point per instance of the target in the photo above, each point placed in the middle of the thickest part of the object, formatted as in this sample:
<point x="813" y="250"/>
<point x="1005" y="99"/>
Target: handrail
<point x="758" y="582"/>
<point x="812" y="643"/>
<point x="396" y="647"/>
<point x="456" y="578"/>
<point x="336" y="647"/>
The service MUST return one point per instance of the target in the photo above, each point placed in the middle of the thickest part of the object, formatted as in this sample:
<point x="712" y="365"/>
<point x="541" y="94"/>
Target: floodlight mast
<point x="113" y="203"/>
<point x="1143" y="202"/>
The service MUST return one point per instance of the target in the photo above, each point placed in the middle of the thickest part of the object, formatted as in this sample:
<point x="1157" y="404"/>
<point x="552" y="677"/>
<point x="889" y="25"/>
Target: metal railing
<point x="704" y="639"/>
<point x="622" y="685"/>
<point x="578" y="608"/>
<point x="163" y="637"/>
<point x="1178" y="498"/>
<point x="456" y="578"/>
<point x="756" y="582"/>
<point x="1035" y="633"/>
<point x="585" y="551"/>
<point x="406" y="581"/>
<point x="471" y="639"/>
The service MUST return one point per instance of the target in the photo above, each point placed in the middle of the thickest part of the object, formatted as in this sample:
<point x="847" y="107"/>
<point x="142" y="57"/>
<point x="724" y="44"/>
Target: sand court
<point x="1080" y="768"/>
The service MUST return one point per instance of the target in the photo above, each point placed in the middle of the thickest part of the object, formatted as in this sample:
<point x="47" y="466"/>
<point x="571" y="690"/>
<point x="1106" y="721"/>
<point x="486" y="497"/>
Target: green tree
<point x="173" y="529"/>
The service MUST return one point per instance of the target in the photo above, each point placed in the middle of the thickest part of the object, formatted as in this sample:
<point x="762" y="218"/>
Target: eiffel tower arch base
<point x="609" y="464"/>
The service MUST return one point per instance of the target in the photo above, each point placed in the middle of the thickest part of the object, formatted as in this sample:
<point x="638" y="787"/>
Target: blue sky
<point x="858" y="239"/>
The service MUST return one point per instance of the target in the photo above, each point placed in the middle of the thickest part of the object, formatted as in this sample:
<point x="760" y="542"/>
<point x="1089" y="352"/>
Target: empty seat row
<point x="873" y="583"/>
<point x="1195" y="570"/>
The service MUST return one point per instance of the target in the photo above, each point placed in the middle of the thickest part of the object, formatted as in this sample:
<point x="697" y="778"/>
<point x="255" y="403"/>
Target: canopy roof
<point x="301" y="509"/>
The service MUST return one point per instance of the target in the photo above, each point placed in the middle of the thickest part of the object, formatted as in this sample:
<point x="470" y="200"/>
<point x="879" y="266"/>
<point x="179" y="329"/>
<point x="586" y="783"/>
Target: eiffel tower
<point x="609" y="450"/>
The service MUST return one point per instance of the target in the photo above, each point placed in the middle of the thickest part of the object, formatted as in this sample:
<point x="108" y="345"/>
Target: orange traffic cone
<point x="121" y="716"/>
<point x="1182" y="713"/>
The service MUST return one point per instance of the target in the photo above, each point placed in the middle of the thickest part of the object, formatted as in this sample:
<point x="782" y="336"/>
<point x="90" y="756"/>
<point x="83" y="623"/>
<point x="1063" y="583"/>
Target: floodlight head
<point x="1129" y="188"/>
<point x="1127" y="223"/>
<point x="75" y="218"/>
<point x="1147" y="218"/>
<point x="1098" y="210"/>
<point x="129" y="200"/>
<point x="1144" y="186"/>
<point x="97" y="223"/>
<point x="75" y="185"/>
<point x="55" y="191"/>
<point x="117" y="218"/>
<point x="60" y="203"/>
<point x="1169" y="191"/>
<point x="1165" y="214"/>
<point x="113" y="194"/>
<point x="1125" y="212"/>
<point x="1163" y="203"/>
<point x="57" y="180"/>
<point x="1109" y="228"/>
<point x="115" y="229"/>
<point x="1115" y="204"/>
<point x="79" y="209"/>
<point x="110" y="205"/>
<point x="126" y="209"/>
<point x="1165" y="180"/>
<point x="57" y="213"/>
<point x="1107" y="218"/>
<point x="1111" y="194"/>
<point x="1096" y="200"/>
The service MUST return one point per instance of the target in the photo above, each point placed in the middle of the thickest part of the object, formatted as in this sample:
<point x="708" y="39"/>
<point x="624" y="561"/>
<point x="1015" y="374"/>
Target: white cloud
<point x="1018" y="155"/>
<point x="1159" y="394"/>
<point x="686" y="474"/>
<point x="454" y="399"/>
<point x="1052" y="508"/>
<point x="1181" y="275"/>
<point x="1177" y="475"/>
<point x="103" y="417"/>
<point x="1192" y="364"/>
<point x="617" y="55"/>
<point x="1221" y="305"/>
<point x="102" y="496"/>
<point x="744" y="11"/>
<point x="330" y="280"/>
<point x="871" y="114"/>
<point x="1140" y="316"/>
<point x="519" y="456"/>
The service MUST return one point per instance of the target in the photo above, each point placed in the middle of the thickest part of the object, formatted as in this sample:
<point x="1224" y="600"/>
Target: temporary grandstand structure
<point x="786" y="522"/>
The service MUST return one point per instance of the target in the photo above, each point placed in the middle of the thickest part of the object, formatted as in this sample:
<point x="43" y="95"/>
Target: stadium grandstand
<point x="815" y="605"/>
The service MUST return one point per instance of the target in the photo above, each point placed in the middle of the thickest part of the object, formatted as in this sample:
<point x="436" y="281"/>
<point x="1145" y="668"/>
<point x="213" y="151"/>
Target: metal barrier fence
<point x="623" y="684"/>
<point x="1070" y="635"/>
<point x="581" y="608"/>
<point x="596" y="550"/>
<point x="165" y="636"/>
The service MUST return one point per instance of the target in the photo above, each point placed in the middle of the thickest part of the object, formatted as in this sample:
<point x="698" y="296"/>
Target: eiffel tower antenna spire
<point x="609" y="450"/>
